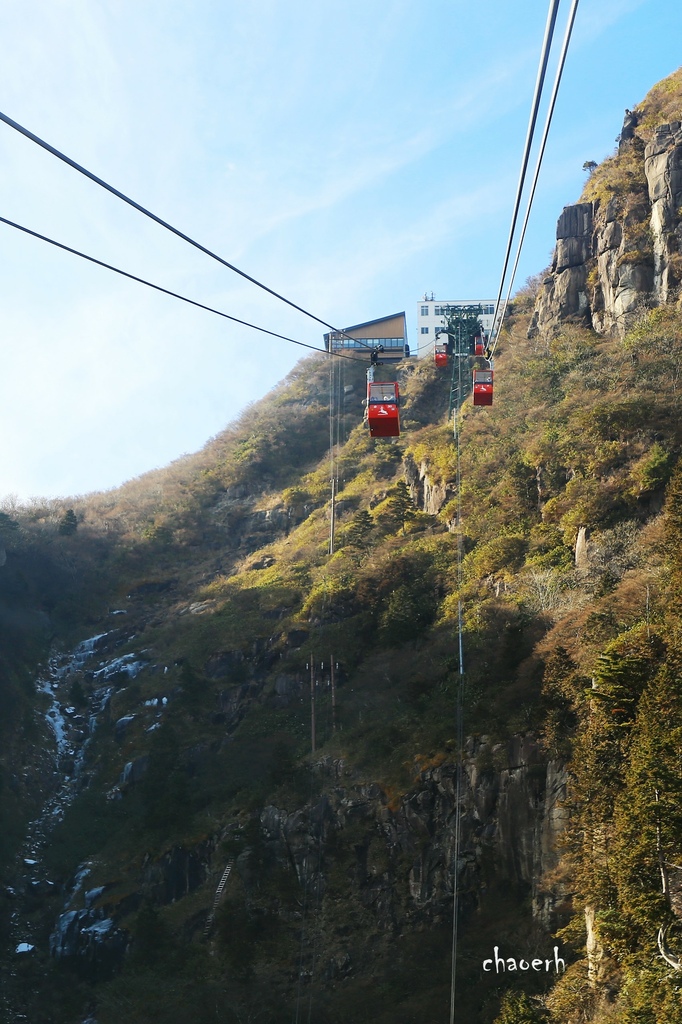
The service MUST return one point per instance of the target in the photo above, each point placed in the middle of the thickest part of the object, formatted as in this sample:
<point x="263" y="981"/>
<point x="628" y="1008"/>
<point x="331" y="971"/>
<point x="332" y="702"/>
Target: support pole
<point x="333" y="682"/>
<point x="459" y="708"/>
<point x="332" y="517"/>
<point x="312" y="703"/>
<point x="332" y="467"/>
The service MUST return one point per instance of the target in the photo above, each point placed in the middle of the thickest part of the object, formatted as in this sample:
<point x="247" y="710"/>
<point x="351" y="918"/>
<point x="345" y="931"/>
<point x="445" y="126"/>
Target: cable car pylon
<point x="465" y="340"/>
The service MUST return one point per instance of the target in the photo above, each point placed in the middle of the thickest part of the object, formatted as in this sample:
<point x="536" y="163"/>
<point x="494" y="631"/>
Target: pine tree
<point x="68" y="524"/>
<point x="359" y="530"/>
<point x="673" y="539"/>
<point x="649" y="811"/>
<point x="151" y="938"/>
<point x="7" y="524"/>
<point x="400" y="507"/>
<point x="518" y="1008"/>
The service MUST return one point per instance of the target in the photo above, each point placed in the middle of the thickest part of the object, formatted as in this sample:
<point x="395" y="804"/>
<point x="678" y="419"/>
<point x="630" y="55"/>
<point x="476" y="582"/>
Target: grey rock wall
<point x="398" y="855"/>
<point x="427" y="494"/>
<point x="615" y="256"/>
<point x="663" y="168"/>
<point x="512" y="813"/>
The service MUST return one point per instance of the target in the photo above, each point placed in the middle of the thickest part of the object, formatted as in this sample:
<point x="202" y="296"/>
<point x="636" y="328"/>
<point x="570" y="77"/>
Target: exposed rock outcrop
<point x="404" y="855"/>
<point x="248" y="528"/>
<point x="582" y="561"/>
<point x="176" y="872"/>
<point x="90" y="939"/>
<point x="622" y="250"/>
<point x="627" y="132"/>
<point x="427" y="494"/>
<point x="663" y="167"/>
<point x="398" y="856"/>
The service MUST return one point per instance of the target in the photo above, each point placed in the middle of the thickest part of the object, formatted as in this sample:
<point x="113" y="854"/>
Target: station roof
<point x="393" y="326"/>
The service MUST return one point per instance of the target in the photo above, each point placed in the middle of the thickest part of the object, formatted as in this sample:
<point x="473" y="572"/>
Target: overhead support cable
<point x="497" y="321"/>
<point x="541" y="153"/>
<point x="167" y="291"/>
<point x="333" y="478"/>
<point x="158" y="220"/>
<point x="459" y="705"/>
<point x="542" y="69"/>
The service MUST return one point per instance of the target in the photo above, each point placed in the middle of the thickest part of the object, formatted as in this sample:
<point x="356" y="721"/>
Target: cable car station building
<point x="389" y="331"/>
<point x="431" y="313"/>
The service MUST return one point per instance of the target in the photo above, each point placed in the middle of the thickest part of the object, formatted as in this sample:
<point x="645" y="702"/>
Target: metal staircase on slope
<point x="216" y="899"/>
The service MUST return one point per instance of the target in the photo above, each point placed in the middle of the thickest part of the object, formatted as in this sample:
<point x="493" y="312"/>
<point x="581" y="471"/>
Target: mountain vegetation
<point x="262" y="784"/>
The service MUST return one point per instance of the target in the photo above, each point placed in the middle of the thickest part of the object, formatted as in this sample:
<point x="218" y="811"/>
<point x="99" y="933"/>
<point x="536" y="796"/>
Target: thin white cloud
<point x="595" y="19"/>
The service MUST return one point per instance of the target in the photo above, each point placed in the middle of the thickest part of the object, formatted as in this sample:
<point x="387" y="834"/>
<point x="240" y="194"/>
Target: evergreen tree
<point x="673" y="538"/>
<point x="401" y="507"/>
<point x="648" y="815"/>
<point x="518" y="1008"/>
<point x="77" y="694"/>
<point x="151" y="937"/>
<point x="68" y="524"/>
<point x="194" y="687"/>
<point x="164" y="788"/>
<point x="359" y="529"/>
<point x="8" y="526"/>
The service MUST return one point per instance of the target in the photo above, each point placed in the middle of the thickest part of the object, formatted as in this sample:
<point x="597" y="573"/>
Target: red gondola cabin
<point x="479" y="345"/>
<point x="483" y="387"/>
<point x="382" y="410"/>
<point x="441" y="355"/>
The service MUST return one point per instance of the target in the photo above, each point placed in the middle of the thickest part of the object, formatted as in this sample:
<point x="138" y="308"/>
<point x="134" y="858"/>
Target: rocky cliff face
<point x="623" y="249"/>
<point x="397" y="858"/>
<point x="663" y="167"/>
<point x="427" y="494"/>
<point x="390" y="859"/>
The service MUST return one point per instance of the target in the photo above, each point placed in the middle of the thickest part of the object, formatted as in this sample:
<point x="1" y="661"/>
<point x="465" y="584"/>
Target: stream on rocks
<point x="71" y="725"/>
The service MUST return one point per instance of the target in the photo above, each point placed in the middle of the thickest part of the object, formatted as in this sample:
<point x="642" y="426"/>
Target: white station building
<point x="430" y="313"/>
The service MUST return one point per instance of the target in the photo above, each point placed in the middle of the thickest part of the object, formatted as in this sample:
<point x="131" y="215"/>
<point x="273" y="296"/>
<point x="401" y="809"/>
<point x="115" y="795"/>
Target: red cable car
<point x="480" y="341"/>
<point x="382" y="409"/>
<point x="441" y="355"/>
<point x="483" y="387"/>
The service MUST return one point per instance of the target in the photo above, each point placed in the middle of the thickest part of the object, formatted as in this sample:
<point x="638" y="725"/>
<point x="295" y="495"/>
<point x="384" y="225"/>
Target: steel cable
<point x="542" y="69"/>
<point x="158" y="220"/>
<point x="167" y="291"/>
<point x="541" y="153"/>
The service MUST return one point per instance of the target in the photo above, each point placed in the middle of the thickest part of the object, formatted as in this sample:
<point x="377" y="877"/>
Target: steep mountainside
<point x="229" y="760"/>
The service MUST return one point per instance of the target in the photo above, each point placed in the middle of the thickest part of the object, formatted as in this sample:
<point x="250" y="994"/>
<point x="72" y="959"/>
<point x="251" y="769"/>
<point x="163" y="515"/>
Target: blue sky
<point x="349" y="154"/>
